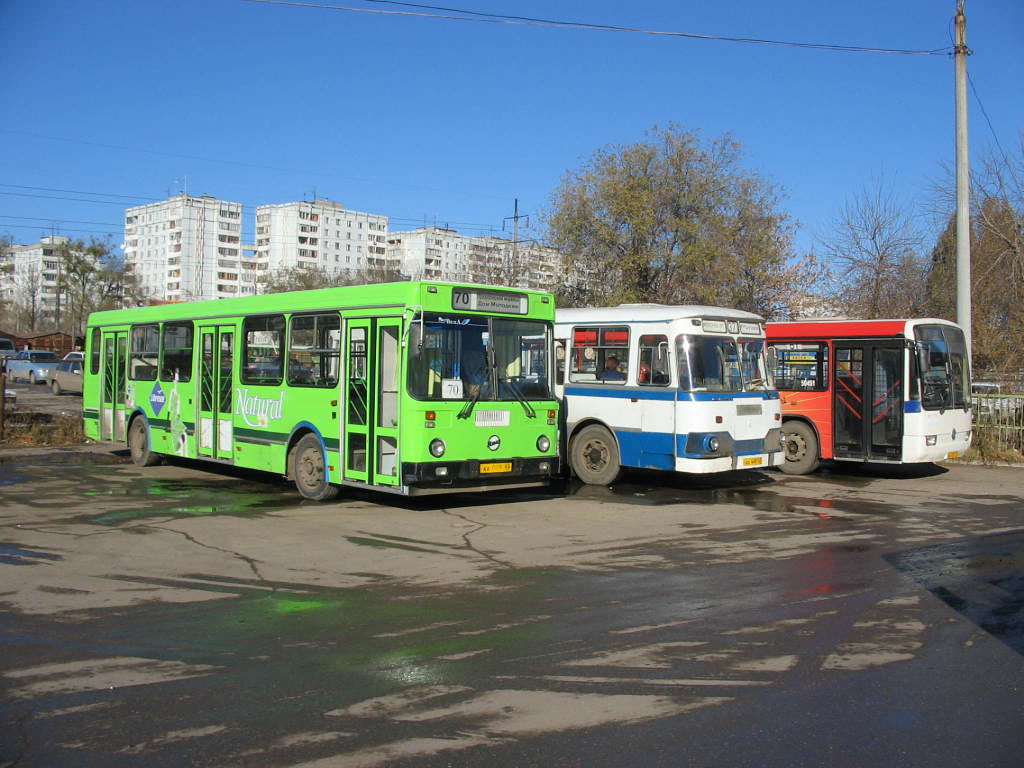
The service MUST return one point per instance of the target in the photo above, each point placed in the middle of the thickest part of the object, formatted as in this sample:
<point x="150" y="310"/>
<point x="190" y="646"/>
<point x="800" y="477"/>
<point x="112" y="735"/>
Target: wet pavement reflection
<point x="660" y="621"/>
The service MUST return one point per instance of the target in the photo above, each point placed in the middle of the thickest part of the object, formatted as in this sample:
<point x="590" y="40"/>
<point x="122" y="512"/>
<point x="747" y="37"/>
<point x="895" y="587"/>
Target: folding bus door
<point x="868" y="400"/>
<point x="372" y="397"/>
<point x="112" y="385"/>
<point x="216" y="387"/>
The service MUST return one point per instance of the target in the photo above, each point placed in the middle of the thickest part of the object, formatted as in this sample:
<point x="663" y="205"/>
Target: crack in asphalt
<point x="251" y="562"/>
<point x="469" y="544"/>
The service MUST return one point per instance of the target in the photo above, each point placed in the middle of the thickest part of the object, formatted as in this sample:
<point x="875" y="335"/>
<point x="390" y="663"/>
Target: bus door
<point x="372" y="364"/>
<point x="867" y="408"/>
<point x="216" y="388"/>
<point x="112" y="385"/>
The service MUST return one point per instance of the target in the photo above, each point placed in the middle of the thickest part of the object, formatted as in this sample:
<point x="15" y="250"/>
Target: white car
<point x="67" y="376"/>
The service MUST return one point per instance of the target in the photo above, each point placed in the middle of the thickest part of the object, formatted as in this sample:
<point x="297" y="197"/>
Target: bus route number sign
<point x="490" y="301"/>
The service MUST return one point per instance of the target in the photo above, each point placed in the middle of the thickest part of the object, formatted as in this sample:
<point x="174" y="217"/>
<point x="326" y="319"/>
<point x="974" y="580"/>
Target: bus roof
<point x="650" y="313"/>
<point x="840" y="329"/>
<point x="397" y="294"/>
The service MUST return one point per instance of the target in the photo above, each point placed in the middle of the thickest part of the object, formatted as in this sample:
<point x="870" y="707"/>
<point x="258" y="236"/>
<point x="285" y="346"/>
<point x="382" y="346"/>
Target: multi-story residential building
<point x="187" y="248"/>
<point x="321" y="234"/>
<point x="31" y="278"/>
<point x="431" y="253"/>
<point x="435" y="253"/>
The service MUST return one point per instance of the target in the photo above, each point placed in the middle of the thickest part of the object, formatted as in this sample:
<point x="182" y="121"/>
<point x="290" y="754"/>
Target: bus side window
<point x="559" y="361"/>
<point x="145" y="352"/>
<point x="654" y="364"/>
<point x="263" y="338"/>
<point x="801" y="367"/>
<point x="314" y="349"/>
<point x="599" y="354"/>
<point x="177" y="352"/>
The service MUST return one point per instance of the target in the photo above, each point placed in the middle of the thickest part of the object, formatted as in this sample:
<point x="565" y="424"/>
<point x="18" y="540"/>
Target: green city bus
<point x="411" y="388"/>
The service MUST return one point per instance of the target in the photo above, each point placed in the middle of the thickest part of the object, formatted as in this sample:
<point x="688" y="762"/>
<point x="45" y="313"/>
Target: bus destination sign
<point x="490" y="301"/>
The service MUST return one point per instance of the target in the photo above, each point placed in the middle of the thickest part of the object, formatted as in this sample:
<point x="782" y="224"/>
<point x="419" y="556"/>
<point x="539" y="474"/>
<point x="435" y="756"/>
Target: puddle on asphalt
<point x="188" y="498"/>
<point x="981" y="578"/>
<point x="749" y="489"/>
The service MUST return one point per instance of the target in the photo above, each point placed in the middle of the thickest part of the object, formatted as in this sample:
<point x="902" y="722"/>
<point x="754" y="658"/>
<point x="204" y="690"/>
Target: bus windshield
<point x="478" y="358"/>
<point x="717" y="364"/>
<point x="945" y="378"/>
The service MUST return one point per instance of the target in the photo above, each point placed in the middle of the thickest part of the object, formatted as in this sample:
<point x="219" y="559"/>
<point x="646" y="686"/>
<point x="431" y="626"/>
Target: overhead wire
<point x="448" y="14"/>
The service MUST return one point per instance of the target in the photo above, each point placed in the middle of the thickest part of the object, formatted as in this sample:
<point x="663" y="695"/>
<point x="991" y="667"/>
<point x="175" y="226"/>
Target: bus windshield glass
<point x="717" y="364"/>
<point x="478" y="358"/>
<point x="945" y="378"/>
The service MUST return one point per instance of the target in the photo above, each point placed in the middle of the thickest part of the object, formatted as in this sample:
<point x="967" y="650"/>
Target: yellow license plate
<point x="753" y="461"/>
<point x="494" y="467"/>
<point x="952" y="454"/>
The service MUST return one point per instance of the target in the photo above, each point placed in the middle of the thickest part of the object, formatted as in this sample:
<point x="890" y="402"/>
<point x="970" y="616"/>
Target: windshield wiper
<point x="484" y="373"/>
<point x="467" y="409"/>
<point x="530" y="413"/>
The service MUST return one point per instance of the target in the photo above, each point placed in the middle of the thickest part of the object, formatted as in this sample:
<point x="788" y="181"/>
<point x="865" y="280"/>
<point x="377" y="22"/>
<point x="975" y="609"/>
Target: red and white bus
<point x="895" y="391"/>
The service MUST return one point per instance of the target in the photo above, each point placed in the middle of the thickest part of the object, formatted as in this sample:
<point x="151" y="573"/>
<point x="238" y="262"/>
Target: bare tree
<point x="997" y="258"/>
<point x="28" y="309"/>
<point x="875" y="251"/>
<point x="303" y="279"/>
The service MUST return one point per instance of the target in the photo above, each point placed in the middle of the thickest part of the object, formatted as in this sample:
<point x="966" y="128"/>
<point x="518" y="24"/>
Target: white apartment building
<point x="431" y="253"/>
<point x="435" y="253"/>
<point x="30" y="274"/>
<point x="188" y="248"/>
<point x="320" y="234"/>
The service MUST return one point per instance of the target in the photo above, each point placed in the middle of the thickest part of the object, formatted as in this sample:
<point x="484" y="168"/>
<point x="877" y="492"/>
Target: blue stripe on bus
<point x="658" y="450"/>
<point x="668" y="394"/>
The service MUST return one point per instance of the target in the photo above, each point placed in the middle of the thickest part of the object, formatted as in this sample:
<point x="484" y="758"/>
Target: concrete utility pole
<point x="514" y="267"/>
<point x="963" y="213"/>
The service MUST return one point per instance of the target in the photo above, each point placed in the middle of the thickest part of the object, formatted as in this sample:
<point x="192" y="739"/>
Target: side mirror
<point x="923" y="359"/>
<point x="415" y="338"/>
<point x="772" y="359"/>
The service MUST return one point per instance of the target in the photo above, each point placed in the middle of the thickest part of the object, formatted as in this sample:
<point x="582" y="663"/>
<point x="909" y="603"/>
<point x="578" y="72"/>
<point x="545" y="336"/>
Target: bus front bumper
<point x="424" y="477"/>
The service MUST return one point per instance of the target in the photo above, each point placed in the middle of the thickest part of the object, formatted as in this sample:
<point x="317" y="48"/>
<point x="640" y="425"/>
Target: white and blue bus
<point x="679" y="388"/>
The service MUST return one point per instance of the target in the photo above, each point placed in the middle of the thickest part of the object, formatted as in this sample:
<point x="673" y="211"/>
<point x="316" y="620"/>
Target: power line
<point x="446" y="14"/>
<point x="991" y="129"/>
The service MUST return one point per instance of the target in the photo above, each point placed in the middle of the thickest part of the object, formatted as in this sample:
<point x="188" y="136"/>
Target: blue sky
<point x="110" y="104"/>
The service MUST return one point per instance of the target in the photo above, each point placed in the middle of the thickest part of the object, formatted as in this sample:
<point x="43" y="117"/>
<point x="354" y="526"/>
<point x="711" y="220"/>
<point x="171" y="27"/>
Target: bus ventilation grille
<point x="492" y="418"/>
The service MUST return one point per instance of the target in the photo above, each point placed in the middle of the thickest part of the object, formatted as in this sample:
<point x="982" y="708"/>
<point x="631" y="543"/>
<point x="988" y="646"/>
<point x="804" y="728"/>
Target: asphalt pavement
<point x="188" y="615"/>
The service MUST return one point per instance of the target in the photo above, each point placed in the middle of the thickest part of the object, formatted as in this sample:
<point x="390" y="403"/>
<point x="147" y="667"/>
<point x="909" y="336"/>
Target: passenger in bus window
<point x="611" y="370"/>
<point x="474" y="372"/>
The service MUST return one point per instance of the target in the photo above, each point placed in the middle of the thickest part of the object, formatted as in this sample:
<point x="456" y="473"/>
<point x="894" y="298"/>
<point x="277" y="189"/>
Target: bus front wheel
<point x="800" y="448"/>
<point x="306" y="467"/>
<point x="138" y="444"/>
<point x="595" y="456"/>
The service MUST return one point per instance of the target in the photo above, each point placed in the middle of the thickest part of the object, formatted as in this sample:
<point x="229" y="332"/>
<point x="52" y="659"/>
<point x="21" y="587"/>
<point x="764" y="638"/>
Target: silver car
<point x="66" y="377"/>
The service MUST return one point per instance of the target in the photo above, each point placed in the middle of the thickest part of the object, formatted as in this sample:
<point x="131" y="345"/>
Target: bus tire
<point x="594" y="456"/>
<point x="306" y="468"/>
<point x="139" y="445"/>
<point x="800" y="448"/>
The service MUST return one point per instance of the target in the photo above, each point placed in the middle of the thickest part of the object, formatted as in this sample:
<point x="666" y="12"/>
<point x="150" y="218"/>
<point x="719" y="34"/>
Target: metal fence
<point x="999" y="420"/>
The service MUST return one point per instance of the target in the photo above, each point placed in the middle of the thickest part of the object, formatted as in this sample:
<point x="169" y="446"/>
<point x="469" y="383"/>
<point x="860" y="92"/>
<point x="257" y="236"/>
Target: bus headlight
<point x="930" y="439"/>
<point x="543" y="443"/>
<point x="437" y="448"/>
<point x="711" y="444"/>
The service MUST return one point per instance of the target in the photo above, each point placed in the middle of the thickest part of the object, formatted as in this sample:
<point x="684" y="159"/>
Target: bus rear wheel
<point x="138" y="444"/>
<point x="800" y="448"/>
<point x="594" y="456"/>
<point x="306" y="467"/>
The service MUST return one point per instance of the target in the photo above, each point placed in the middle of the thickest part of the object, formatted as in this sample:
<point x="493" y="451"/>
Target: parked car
<point x="7" y="350"/>
<point x="67" y="377"/>
<point x="74" y="356"/>
<point x="33" y="365"/>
